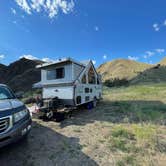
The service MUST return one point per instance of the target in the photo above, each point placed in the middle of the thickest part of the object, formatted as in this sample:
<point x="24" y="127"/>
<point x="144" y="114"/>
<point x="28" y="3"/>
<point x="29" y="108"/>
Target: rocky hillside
<point x="3" y="70"/>
<point x="20" y="75"/>
<point x="122" y="68"/>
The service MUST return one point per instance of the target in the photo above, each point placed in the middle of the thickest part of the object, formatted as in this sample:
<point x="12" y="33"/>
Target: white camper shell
<point x="74" y="83"/>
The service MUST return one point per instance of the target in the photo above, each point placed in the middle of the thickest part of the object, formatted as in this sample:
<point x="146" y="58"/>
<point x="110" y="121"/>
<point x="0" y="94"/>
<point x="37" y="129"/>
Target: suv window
<point x="5" y="93"/>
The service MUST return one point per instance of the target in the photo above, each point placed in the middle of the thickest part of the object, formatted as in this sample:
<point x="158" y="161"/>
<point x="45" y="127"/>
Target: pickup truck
<point x="15" y="119"/>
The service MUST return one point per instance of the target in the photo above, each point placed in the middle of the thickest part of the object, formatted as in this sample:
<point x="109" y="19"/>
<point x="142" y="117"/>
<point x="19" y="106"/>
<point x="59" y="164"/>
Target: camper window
<point x="51" y="74"/>
<point x="84" y="79"/>
<point x="91" y="76"/>
<point x="60" y="73"/>
<point x="86" y="90"/>
<point x="55" y="74"/>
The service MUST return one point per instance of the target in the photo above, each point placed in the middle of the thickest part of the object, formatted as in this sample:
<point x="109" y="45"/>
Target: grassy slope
<point x="121" y="68"/>
<point x="138" y="133"/>
<point x="152" y="75"/>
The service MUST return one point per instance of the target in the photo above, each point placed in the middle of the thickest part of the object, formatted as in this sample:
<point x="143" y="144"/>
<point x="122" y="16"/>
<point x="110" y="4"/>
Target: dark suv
<point x="15" y="119"/>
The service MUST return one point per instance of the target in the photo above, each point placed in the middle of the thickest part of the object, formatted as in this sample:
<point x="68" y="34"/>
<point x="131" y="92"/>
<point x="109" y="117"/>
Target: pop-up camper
<point x="70" y="83"/>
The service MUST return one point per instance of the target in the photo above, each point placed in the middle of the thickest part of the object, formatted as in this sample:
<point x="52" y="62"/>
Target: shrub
<point x="122" y="132"/>
<point x="116" y="82"/>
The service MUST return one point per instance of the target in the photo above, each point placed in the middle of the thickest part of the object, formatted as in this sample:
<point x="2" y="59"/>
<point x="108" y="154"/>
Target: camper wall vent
<point x="86" y="90"/>
<point x="87" y="98"/>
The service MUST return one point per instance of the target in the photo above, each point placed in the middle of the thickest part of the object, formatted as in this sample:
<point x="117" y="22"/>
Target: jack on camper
<point x="67" y="83"/>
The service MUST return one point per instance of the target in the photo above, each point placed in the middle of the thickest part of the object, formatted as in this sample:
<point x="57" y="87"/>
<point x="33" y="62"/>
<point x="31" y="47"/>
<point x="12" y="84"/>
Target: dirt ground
<point x="52" y="143"/>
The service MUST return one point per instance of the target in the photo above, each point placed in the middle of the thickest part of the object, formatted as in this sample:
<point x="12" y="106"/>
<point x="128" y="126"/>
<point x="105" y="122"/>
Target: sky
<point x="100" y="30"/>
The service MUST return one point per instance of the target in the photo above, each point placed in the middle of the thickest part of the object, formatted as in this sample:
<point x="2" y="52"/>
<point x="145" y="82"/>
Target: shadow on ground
<point x="120" y="112"/>
<point x="45" y="147"/>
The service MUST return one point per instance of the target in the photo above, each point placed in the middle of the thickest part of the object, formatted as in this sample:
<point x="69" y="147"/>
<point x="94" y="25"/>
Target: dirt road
<point x="45" y="147"/>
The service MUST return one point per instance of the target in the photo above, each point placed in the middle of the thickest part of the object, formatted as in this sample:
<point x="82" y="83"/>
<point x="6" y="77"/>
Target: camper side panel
<point x="85" y="93"/>
<point x="65" y="94"/>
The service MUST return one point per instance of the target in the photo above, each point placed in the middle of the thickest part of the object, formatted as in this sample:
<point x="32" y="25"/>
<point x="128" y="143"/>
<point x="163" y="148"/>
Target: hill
<point x="20" y="75"/>
<point x="3" y="70"/>
<point x="122" y="68"/>
<point x="163" y="62"/>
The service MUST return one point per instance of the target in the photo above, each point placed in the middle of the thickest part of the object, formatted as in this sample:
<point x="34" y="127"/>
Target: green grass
<point x="132" y="138"/>
<point x="146" y="103"/>
<point x="127" y="160"/>
<point x="137" y="119"/>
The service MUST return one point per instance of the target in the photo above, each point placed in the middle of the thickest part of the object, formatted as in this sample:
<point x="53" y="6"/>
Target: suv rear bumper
<point x="17" y="132"/>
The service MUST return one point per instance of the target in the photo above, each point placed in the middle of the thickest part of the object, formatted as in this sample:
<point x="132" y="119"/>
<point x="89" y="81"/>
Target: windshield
<point x="5" y="93"/>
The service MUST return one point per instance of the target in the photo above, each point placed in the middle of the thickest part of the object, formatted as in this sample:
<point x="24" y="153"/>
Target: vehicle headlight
<point x="20" y="115"/>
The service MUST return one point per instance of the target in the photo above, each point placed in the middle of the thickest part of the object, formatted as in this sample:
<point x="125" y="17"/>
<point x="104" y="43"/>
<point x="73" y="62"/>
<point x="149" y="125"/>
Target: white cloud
<point x="104" y="56"/>
<point x="31" y="57"/>
<point x="133" y="58"/>
<point x="48" y="60"/>
<point x="2" y="56"/>
<point x="96" y="28"/>
<point x="156" y="27"/>
<point x="164" y="23"/>
<point x="94" y="62"/>
<point x="51" y="7"/>
<point x="149" y="53"/>
<point x="24" y="5"/>
<point x="160" y="51"/>
<point x="13" y="11"/>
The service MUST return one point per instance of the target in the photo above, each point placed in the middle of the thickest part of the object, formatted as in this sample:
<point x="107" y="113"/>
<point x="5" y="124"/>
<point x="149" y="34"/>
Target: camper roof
<point x="60" y="61"/>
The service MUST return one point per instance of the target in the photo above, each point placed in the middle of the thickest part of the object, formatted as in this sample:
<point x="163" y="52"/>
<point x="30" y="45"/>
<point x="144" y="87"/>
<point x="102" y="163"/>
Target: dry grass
<point x="127" y="128"/>
<point x="122" y="68"/>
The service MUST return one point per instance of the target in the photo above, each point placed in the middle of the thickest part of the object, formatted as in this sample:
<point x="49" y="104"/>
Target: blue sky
<point x="100" y="30"/>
